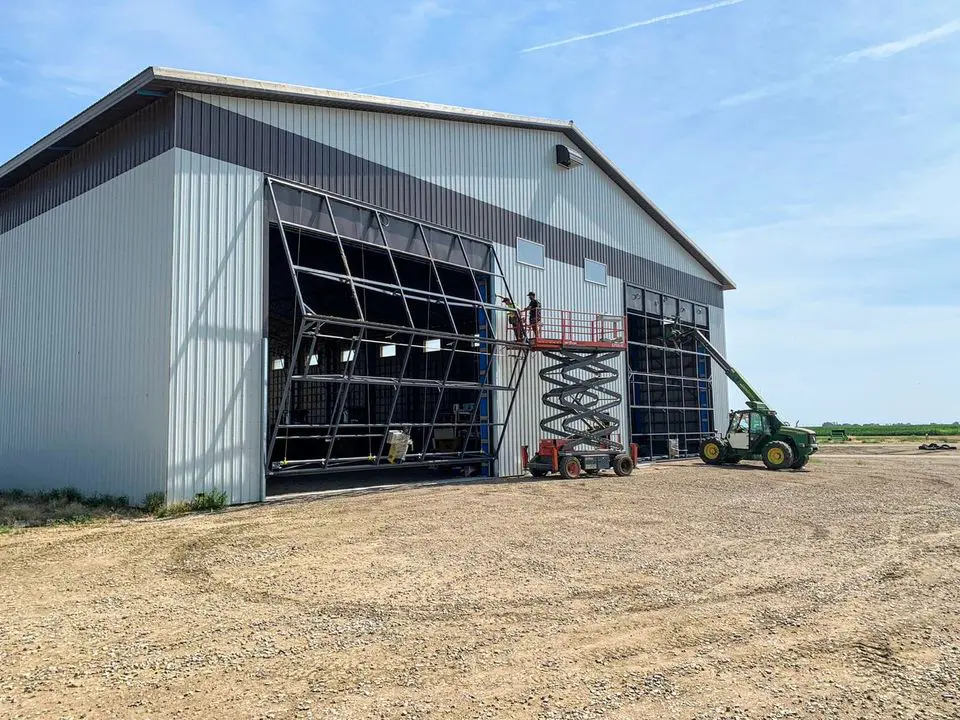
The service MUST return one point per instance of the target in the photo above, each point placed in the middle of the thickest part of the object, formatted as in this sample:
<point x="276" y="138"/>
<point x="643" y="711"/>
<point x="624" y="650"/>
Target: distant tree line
<point x="868" y="429"/>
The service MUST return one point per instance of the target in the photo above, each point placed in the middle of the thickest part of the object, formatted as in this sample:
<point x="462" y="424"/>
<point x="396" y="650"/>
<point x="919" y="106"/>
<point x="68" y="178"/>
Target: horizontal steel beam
<point x="386" y="327"/>
<point x="396" y="290"/>
<point x="405" y="382"/>
<point x="438" y="462"/>
<point x="304" y="426"/>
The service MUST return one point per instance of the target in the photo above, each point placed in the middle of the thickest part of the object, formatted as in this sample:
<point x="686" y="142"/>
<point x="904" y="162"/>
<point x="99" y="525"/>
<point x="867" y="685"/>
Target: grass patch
<point x="215" y="500"/>
<point x="905" y="430"/>
<point x="60" y="506"/>
<point x="154" y="503"/>
<point x="68" y="506"/>
<point x="173" y="510"/>
<point x="202" y="502"/>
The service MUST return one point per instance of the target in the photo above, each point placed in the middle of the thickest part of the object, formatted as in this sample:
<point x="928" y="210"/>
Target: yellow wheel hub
<point x="775" y="455"/>
<point x="711" y="451"/>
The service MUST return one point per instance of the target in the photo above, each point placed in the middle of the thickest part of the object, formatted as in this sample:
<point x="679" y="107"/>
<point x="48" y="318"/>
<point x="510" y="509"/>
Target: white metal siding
<point x="216" y="374"/>
<point x="721" y="398"/>
<point x="558" y="285"/>
<point x="511" y="168"/>
<point x="85" y="298"/>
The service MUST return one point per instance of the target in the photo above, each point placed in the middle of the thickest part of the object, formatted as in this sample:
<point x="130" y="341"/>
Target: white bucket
<point x="673" y="447"/>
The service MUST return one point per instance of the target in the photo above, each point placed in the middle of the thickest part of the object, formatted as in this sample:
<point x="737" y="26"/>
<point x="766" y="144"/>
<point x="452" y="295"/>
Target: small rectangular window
<point x="595" y="272"/>
<point x="669" y="307"/>
<point x="529" y="253"/>
<point x="652" y="303"/>
<point x="700" y="315"/>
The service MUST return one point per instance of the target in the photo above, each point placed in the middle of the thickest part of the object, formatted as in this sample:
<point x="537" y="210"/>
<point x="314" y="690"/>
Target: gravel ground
<point x="684" y="591"/>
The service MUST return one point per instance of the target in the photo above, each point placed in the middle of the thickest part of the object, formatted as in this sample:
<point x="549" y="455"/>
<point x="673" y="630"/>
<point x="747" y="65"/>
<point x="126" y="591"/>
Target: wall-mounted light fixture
<point x="568" y="157"/>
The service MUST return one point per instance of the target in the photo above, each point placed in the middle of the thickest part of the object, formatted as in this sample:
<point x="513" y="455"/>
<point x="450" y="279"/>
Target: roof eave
<point x="134" y="84"/>
<point x="638" y="196"/>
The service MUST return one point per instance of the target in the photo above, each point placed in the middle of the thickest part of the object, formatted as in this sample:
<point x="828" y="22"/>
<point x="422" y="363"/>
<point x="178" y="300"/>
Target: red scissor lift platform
<point x="585" y="437"/>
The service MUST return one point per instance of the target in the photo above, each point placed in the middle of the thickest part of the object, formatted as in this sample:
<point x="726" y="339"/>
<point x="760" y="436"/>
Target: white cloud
<point x="758" y="93"/>
<point x="420" y="14"/>
<point x="881" y="52"/>
<point x="850" y="361"/>
<point x="874" y="52"/>
<point x="843" y="312"/>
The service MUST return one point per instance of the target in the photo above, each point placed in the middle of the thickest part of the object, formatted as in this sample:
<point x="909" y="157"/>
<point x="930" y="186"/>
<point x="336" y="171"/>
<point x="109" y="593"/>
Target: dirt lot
<point x="682" y="592"/>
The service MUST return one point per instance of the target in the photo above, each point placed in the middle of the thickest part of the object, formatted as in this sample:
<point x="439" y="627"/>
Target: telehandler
<point x="753" y="434"/>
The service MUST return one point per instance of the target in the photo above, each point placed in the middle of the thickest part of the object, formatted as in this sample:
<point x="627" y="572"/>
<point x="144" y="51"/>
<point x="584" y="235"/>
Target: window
<point x="529" y="253"/>
<point x="669" y="308"/>
<point x="652" y="303"/>
<point x="634" y="298"/>
<point x="670" y="388"/>
<point x="700" y="315"/>
<point x="595" y="272"/>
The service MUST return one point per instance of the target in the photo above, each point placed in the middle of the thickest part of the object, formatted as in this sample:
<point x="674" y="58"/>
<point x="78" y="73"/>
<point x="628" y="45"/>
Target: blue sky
<point x="812" y="148"/>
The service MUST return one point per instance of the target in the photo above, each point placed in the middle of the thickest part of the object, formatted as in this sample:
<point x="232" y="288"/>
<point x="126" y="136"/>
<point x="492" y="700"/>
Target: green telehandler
<point x="754" y="434"/>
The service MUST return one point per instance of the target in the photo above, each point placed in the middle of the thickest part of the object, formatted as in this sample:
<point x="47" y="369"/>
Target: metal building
<point x="207" y="282"/>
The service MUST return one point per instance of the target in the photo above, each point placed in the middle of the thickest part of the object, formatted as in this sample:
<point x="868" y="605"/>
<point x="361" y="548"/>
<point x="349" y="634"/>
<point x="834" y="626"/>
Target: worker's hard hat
<point x="531" y="294"/>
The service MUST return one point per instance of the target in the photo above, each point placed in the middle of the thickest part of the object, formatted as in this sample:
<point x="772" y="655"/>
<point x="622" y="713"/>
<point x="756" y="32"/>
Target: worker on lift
<point x="533" y="314"/>
<point x="513" y="318"/>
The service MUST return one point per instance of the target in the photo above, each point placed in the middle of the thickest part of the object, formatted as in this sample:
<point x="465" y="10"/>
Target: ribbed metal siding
<point x="512" y="168"/>
<point x="721" y="398"/>
<point x="85" y="293"/>
<point x="557" y="286"/>
<point x="216" y="375"/>
<point x="124" y="146"/>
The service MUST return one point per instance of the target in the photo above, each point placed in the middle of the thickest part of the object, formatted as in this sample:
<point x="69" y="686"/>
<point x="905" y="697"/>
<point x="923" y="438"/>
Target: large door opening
<point x="378" y="324"/>
<point x="670" y="389"/>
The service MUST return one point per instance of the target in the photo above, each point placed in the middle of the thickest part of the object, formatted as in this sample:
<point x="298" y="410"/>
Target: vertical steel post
<point x="343" y="257"/>
<point x="436" y="411"/>
<point x="436" y="274"/>
<point x="285" y="395"/>
<point x="513" y="399"/>
<point x="396" y="273"/>
<point x="343" y="392"/>
<point x="396" y="396"/>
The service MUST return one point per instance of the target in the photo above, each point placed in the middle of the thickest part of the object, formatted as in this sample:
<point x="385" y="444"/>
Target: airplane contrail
<point x="566" y="41"/>
<point x="873" y="52"/>
<point x="631" y="26"/>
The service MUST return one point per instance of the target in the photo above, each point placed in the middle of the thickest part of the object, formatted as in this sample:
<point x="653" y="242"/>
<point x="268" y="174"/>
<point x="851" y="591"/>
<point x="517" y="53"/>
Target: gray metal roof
<point x="145" y="87"/>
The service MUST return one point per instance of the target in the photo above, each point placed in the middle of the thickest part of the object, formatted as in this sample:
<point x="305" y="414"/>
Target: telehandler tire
<point x="711" y="452"/>
<point x="777" y="455"/>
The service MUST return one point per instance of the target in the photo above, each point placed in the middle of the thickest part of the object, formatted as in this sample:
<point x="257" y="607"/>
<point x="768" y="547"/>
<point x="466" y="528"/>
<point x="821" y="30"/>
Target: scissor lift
<point x="584" y="433"/>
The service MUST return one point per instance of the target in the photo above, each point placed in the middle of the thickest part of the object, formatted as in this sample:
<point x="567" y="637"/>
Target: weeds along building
<point x="210" y="282"/>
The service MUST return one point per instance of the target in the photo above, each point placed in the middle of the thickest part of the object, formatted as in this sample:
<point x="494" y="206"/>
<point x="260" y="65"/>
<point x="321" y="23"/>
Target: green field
<point x="896" y="430"/>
